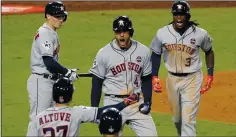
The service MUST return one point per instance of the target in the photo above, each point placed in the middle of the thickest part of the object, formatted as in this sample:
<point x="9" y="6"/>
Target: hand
<point x="71" y="74"/>
<point x="207" y="85"/>
<point x="156" y="84"/>
<point x="132" y="99"/>
<point x="145" y="108"/>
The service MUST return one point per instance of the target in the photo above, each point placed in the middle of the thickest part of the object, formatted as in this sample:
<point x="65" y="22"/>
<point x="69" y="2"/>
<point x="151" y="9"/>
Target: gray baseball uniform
<point x="122" y="71"/>
<point x="61" y="121"/>
<point x="45" y="43"/>
<point x="182" y="55"/>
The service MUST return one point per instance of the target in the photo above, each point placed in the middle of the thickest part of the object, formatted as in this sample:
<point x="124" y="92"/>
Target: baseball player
<point x="123" y="67"/>
<point x="110" y="122"/>
<point x="62" y="120"/>
<point x="44" y="57"/>
<point x="180" y="43"/>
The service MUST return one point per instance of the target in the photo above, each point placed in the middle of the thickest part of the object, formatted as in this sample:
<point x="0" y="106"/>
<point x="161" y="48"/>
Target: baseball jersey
<point x="122" y="69"/>
<point x="181" y="53"/>
<point x="62" y="121"/>
<point x="45" y="43"/>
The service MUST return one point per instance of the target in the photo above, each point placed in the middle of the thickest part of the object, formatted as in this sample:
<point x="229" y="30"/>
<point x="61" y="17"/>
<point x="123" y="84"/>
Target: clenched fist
<point x="156" y="84"/>
<point x="132" y="99"/>
<point x="207" y="84"/>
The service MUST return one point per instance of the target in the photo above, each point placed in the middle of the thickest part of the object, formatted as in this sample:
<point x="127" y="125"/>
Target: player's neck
<point x="182" y="30"/>
<point x="50" y="26"/>
<point x="62" y="105"/>
<point x="128" y="45"/>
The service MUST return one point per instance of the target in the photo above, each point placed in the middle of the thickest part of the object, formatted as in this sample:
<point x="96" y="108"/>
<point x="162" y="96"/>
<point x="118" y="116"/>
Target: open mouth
<point x="122" y="40"/>
<point x="179" y="23"/>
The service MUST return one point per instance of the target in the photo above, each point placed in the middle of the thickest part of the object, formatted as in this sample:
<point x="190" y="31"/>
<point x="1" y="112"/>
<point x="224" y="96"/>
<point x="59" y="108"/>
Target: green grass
<point x="82" y="36"/>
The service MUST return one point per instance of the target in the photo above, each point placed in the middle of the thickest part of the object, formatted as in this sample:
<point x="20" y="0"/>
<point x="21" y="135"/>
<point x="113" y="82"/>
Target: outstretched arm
<point x="132" y="99"/>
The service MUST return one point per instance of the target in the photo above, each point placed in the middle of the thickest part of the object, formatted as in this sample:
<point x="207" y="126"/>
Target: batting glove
<point x="207" y="86"/>
<point x="145" y="108"/>
<point x="156" y="84"/>
<point x="71" y="74"/>
<point x="132" y="99"/>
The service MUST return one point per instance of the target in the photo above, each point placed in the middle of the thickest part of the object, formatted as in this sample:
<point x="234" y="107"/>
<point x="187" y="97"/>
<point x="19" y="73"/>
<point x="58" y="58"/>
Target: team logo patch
<point x="138" y="59"/>
<point x="121" y="23"/>
<point x="192" y="41"/>
<point x="47" y="45"/>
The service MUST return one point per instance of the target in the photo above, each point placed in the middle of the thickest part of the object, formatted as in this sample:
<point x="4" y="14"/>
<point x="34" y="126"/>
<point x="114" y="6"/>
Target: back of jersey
<point x="55" y="122"/>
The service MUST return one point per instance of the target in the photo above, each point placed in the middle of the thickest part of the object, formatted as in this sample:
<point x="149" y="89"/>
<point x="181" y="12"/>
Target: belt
<point x="116" y="96"/>
<point x="180" y="74"/>
<point x="48" y="76"/>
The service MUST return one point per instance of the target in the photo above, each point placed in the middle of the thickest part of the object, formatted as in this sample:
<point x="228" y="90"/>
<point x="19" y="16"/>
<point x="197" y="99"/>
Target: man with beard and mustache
<point x="180" y="44"/>
<point x="121" y="68"/>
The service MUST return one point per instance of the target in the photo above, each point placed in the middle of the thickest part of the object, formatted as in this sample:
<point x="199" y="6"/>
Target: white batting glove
<point x="71" y="75"/>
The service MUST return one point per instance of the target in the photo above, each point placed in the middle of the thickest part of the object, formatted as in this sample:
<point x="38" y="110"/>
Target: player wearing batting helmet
<point x="123" y="67"/>
<point x="44" y="60"/>
<point x="110" y="122"/>
<point x="63" y="120"/>
<point x="180" y="42"/>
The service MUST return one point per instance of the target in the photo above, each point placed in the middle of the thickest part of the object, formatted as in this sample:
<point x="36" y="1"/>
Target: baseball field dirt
<point x="219" y="104"/>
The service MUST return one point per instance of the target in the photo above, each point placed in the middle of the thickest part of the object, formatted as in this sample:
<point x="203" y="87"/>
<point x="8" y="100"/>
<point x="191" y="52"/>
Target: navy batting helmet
<point x="56" y="9"/>
<point x="181" y="8"/>
<point x="110" y="121"/>
<point x="123" y="23"/>
<point x="63" y="90"/>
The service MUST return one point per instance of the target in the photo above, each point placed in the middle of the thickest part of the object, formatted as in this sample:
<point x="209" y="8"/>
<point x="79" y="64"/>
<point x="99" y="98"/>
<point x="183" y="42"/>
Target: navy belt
<point x="48" y="76"/>
<point x="117" y="96"/>
<point x="180" y="74"/>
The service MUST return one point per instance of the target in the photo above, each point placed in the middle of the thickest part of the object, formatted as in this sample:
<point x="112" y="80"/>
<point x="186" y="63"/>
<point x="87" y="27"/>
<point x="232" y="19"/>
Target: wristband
<point x="210" y="71"/>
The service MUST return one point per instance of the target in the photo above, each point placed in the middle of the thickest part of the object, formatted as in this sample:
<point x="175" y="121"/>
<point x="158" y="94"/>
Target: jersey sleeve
<point x="147" y="66"/>
<point x="32" y="130"/>
<point x="156" y="44"/>
<point x="87" y="114"/>
<point x="99" y="68"/>
<point x="45" y="42"/>
<point x="206" y="42"/>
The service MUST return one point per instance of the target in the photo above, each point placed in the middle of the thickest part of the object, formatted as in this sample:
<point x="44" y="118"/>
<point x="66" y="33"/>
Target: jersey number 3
<point x="188" y="63"/>
<point x="58" y="129"/>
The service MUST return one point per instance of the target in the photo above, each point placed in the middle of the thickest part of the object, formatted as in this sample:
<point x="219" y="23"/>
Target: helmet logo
<point x="121" y="23"/>
<point x="61" y="99"/>
<point x="179" y="7"/>
<point x="62" y="8"/>
<point x="111" y="129"/>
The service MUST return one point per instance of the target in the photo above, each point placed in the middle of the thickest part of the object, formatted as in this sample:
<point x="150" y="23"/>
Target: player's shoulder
<point x="201" y="30"/>
<point x="104" y="49"/>
<point x="44" y="29"/>
<point x="78" y="109"/>
<point x="163" y="29"/>
<point x="141" y="46"/>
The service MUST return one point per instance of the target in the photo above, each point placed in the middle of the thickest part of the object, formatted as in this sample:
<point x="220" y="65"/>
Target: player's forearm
<point x="156" y="61"/>
<point x="53" y="66"/>
<point x="96" y="91"/>
<point x="147" y="88"/>
<point x="120" y="106"/>
<point x="209" y="57"/>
